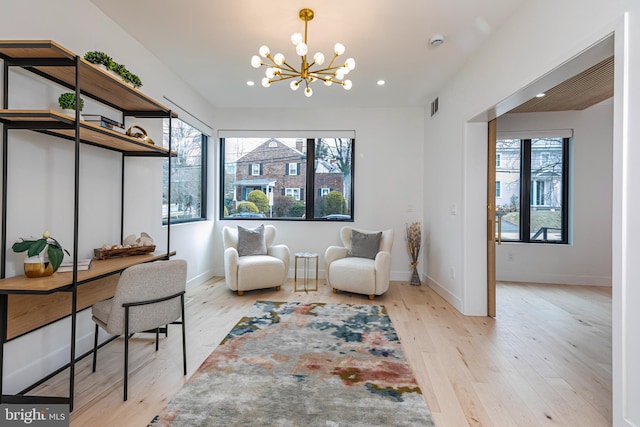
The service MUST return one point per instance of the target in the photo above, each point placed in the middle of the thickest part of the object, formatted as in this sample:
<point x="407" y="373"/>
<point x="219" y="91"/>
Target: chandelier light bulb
<point x="270" y="73"/>
<point x="301" y="49"/>
<point x="346" y="70"/>
<point x="278" y="59"/>
<point x="294" y="85"/>
<point x="328" y="82"/>
<point x="255" y="61"/>
<point x="338" y="48"/>
<point x="347" y="84"/>
<point x="340" y="73"/>
<point x="318" y="58"/>
<point x="296" y="38"/>
<point x="266" y="82"/>
<point x="308" y="92"/>
<point x="264" y="51"/>
<point x="350" y="63"/>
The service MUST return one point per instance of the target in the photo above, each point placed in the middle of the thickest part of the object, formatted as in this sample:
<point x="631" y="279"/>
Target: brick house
<point x="278" y="169"/>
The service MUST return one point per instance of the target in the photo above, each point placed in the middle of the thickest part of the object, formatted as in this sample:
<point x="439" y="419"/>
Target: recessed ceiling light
<point x="540" y="95"/>
<point x="381" y="82"/>
<point x="250" y="83"/>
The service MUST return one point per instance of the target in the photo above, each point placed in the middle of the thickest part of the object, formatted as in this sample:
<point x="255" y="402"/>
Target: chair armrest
<point x="231" y="268"/>
<point x="333" y="253"/>
<point x="382" y="264"/>
<point x="281" y="252"/>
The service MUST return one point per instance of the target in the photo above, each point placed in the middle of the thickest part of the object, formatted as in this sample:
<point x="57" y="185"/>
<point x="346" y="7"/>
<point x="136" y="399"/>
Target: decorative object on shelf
<point x="414" y="242"/>
<point x="278" y="69"/>
<point x="131" y="245"/>
<point x="120" y="251"/>
<point x="67" y="101"/>
<point x="99" y="58"/>
<point x="107" y="63"/>
<point x="44" y="255"/>
<point x="142" y="135"/>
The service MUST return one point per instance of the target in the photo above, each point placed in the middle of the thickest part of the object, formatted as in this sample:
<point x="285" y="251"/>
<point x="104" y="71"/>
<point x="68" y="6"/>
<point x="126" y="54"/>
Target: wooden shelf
<point x="44" y="120"/>
<point x="58" y="281"/>
<point x="93" y="80"/>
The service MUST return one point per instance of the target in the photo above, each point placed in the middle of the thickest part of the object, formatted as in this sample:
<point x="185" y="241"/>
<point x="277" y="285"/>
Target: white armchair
<point x="346" y="271"/>
<point x="267" y="269"/>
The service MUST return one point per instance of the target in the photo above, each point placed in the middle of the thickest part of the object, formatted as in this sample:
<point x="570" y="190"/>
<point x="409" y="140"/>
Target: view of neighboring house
<point x="278" y="168"/>
<point x="543" y="169"/>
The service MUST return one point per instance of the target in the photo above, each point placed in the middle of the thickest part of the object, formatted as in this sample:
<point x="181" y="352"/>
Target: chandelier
<point x="278" y="69"/>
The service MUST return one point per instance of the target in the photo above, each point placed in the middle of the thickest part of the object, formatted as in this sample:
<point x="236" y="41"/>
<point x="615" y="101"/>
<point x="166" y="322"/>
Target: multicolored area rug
<point x="300" y="364"/>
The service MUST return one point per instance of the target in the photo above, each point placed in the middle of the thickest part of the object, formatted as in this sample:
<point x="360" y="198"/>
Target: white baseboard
<point x="452" y="299"/>
<point x="556" y="279"/>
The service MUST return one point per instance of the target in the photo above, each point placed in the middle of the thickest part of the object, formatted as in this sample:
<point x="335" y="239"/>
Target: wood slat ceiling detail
<point x="588" y="88"/>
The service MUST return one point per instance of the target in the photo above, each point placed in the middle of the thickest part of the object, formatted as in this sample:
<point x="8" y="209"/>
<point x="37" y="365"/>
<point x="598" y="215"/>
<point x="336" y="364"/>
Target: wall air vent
<point x="434" y="107"/>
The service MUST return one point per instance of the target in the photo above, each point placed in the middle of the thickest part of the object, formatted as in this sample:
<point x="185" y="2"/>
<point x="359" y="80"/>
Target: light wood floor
<point x="545" y="360"/>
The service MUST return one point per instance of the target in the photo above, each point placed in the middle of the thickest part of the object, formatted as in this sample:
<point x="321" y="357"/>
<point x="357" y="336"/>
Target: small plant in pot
<point x="126" y="75"/>
<point x="67" y="101"/>
<point x="98" y="58"/>
<point x="44" y="255"/>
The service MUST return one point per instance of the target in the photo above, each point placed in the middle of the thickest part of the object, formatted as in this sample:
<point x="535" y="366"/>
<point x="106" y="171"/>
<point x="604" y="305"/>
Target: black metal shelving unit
<point x="56" y="64"/>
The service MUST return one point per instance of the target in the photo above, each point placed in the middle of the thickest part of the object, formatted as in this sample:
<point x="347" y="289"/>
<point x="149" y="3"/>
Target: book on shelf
<point x="83" y="264"/>
<point x="103" y="121"/>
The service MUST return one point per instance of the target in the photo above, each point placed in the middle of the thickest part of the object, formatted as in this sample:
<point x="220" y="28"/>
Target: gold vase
<point x="37" y="266"/>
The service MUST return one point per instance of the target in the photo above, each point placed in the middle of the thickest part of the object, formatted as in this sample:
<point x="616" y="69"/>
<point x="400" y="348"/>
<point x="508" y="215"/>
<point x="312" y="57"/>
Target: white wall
<point x="40" y="171"/>
<point x="587" y="259"/>
<point x="388" y="174"/>
<point x="517" y="55"/>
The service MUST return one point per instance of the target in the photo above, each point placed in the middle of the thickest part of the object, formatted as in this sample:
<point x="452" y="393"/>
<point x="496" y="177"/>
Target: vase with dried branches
<point x="414" y="242"/>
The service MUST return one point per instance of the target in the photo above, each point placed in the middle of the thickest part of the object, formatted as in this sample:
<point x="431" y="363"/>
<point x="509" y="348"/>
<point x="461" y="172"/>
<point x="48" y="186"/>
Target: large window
<point x="300" y="179"/>
<point x="188" y="173"/>
<point x="532" y="189"/>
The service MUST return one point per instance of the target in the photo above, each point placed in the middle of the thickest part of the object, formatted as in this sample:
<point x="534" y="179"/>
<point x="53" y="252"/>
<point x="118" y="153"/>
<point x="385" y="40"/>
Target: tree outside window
<point x="188" y="173"/>
<point x="302" y="178"/>
<point x="532" y="194"/>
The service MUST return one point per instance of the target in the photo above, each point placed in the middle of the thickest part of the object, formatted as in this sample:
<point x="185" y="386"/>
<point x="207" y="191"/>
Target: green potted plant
<point x="44" y="255"/>
<point x="98" y="58"/>
<point x="67" y="101"/>
<point x="126" y="75"/>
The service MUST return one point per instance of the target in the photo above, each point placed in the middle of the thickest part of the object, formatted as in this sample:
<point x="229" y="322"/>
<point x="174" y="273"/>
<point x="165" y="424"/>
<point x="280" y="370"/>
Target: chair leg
<point x="126" y="350"/>
<point x="240" y="293"/>
<point x="278" y="288"/>
<point x="371" y="297"/>
<point x="157" y="337"/>
<point x="95" y="348"/>
<point x="335" y="291"/>
<point x="184" y="338"/>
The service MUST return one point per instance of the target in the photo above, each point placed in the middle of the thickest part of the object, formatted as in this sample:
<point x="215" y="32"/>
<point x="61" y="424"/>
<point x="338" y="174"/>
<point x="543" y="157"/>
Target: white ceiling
<point x="209" y="43"/>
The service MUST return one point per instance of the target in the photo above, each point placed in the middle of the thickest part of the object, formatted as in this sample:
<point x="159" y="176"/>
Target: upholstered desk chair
<point x="252" y="261"/>
<point x="147" y="297"/>
<point x="363" y="264"/>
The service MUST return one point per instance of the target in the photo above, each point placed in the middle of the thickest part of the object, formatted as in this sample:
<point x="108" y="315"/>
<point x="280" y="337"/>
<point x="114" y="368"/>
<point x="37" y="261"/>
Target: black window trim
<point x="525" y="196"/>
<point x="204" y="142"/>
<point x="309" y="190"/>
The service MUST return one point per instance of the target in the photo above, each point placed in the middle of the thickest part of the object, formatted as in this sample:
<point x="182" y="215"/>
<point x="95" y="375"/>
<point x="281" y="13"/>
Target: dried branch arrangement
<point x="414" y="243"/>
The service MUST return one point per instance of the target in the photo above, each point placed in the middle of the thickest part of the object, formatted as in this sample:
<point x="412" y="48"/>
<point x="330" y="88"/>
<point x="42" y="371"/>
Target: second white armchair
<point x="363" y="264"/>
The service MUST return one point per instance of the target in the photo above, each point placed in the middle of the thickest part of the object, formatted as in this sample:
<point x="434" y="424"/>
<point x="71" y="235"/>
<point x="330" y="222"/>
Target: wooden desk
<point x="30" y="303"/>
<point x="39" y="301"/>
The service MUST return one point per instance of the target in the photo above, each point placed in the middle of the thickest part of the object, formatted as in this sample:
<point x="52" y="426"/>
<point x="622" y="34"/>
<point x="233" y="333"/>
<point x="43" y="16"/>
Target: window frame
<point x="204" y="142"/>
<point x="309" y="189"/>
<point x="525" y="202"/>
